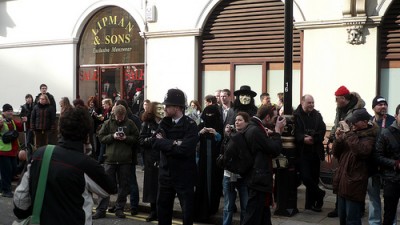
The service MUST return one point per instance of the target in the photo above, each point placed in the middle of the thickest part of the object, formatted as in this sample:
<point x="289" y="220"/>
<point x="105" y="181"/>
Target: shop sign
<point x="112" y="34"/>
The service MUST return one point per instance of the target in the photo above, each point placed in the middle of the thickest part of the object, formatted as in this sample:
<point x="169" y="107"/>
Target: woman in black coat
<point x="151" y="119"/>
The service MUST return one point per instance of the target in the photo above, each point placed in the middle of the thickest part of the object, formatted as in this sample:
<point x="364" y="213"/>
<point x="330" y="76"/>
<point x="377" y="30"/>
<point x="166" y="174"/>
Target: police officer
<point x="176" y="138"/>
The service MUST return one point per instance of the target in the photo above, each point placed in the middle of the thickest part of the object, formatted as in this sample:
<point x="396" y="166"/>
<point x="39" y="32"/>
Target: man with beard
<point x="176" y="138"/>
<point x="119" y="134"/>
<point x="309" y="134"/>
<point x="244" y="101"/>
<point x="384" y="120"/>
<point x="346" y="103"/>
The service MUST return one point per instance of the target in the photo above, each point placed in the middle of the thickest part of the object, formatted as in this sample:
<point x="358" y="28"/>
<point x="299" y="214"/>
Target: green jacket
<point x="118" y="152"/>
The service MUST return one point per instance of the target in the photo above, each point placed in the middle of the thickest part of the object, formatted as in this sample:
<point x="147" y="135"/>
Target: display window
<point x="111" y="57"/>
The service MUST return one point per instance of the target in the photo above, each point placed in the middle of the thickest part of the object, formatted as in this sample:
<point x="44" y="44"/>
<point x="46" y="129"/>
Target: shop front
<point x="111" y="57"/>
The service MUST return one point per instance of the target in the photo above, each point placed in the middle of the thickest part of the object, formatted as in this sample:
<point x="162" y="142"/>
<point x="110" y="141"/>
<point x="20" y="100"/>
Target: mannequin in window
<point x="137" y="101"/>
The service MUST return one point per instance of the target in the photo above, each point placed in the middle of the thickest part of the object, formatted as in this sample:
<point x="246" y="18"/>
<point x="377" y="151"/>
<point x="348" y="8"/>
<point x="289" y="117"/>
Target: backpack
<point x="237" y="156"/>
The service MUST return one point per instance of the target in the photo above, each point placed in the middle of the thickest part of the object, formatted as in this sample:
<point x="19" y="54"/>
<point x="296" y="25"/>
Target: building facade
<point x="109" y="48"/>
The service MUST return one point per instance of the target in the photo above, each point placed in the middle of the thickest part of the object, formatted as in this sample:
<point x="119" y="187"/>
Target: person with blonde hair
<point x="43" y="119"/>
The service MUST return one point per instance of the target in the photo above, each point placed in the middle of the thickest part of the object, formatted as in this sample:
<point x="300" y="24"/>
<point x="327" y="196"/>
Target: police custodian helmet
<point x="175" y="97"/>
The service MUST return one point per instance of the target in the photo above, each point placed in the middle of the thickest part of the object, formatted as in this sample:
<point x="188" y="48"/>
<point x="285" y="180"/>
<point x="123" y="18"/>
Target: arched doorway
<point x="111" y="56"/>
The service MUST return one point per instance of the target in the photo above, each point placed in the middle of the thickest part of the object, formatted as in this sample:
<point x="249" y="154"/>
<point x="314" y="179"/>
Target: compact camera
<point x="120" y="132"/>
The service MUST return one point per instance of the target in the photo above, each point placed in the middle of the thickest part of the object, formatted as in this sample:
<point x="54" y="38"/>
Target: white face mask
<point x="244" y="99"/>
<point x="160" y="111"/>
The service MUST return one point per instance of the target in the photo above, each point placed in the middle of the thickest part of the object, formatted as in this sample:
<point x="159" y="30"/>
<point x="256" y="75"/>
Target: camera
<point x="120" y="132"/>
<point x="232" y="127"/>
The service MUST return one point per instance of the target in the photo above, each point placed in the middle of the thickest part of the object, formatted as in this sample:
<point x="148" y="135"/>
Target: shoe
<point x="235" y="209"/>
<point x="152" y="217"/>
<point x="332" y="214"/>
<point x="8" y="194"/>
<point x="134" y="212"/>
<point x="111" y="209"/>
<point x="316" y="209"/>
<point x="120" y="214"/>
<point x="320" y="202"/>
<point x="98" y="215"/>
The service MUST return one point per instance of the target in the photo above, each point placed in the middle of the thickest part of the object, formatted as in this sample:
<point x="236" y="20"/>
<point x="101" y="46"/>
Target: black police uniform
<point x="177" y="174"/>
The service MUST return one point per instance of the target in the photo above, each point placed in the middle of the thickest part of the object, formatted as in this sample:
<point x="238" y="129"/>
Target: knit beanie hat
<point x="7" y="107"/>
<point x="378" y="99"/>
<point x="342" y="90"/>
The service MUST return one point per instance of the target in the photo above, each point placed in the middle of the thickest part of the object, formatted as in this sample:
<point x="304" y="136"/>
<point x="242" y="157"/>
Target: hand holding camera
<point x="120" y="134"/>
<point x="280" y="124"/>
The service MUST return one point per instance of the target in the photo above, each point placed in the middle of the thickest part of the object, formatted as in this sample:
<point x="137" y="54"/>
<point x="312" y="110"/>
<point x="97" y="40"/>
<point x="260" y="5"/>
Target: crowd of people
<point x="179" y="145"/>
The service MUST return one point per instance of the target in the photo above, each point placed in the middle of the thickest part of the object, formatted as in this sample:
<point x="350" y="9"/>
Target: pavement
<point x="303" y="217"/>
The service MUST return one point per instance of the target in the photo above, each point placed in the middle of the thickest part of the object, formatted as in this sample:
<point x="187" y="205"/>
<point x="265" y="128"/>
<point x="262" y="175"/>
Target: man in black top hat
<point x="244" y="101"/>
<point x="176" y="138"/>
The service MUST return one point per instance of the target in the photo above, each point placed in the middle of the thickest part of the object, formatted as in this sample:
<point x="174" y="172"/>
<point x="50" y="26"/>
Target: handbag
<point x="280" y="162"/>
<point x="39" y="195"/>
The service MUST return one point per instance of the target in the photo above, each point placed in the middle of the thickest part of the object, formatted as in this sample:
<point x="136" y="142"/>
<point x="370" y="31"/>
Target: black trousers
<point x="309" y="168"/>
<point x="257" y="211"/>
<point x="165" y="203"/>
<point x="391" y="195"/>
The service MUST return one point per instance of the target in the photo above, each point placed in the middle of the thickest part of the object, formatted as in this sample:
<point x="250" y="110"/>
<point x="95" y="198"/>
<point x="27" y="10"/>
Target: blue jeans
<point x="375" y="208"/>
<point x="349" y="211"/>
<point x="134" y="198"/>
<point x="230" y="198"/>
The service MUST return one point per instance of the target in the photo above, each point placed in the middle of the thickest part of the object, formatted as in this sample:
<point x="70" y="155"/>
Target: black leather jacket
<point x="388" y="151"/>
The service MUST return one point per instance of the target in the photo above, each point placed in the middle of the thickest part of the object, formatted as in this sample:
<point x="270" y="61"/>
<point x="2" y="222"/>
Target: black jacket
<point x="388" y="151"/>
<point x="263" y="149"/>
<point x="43" y="117"/>
<point x="309" y="124"/>
<point x="51" y="99"/>
<point x="72" y="177"/>
<point x="177" y="161"/>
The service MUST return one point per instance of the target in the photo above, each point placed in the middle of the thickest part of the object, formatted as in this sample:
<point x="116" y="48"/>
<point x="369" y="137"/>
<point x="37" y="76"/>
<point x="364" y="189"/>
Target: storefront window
<point x="111" y="57"/>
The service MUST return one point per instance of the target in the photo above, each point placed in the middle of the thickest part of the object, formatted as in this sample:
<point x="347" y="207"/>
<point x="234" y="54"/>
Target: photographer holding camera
<point x="119" y="134"/>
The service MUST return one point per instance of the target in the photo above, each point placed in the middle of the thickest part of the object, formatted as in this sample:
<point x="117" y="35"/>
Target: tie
<point x="173" y="122"/>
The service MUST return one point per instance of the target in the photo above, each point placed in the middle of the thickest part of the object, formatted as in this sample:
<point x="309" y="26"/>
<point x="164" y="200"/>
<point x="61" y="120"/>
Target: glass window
<point x="250" y="75"/>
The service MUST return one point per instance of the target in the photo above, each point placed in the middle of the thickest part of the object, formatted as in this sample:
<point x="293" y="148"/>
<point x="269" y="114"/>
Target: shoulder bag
<point x="37" y="207"/>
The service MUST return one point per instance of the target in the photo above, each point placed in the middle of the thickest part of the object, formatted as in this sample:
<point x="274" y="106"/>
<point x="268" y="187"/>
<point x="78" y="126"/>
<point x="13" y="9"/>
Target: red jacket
<point x="15" y="143"/>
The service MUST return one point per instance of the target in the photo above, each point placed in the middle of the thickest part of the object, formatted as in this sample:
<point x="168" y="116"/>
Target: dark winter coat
<point x="352" y="151"/>
<point x="177" y="160"/>
<point x="151" y="161"/>
<point x="118" y="151"/>
<point x="43" y="117"/>
<point x="388" y="152"/>
<point x="51" y="99"/>
<point x="263" y="149"/>
<point x="309" y="124"/>
<point x="72" y="178"/>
